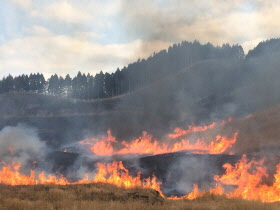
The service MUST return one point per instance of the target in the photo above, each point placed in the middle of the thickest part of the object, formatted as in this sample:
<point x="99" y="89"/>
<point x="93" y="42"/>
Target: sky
<point x="67" y="36"/>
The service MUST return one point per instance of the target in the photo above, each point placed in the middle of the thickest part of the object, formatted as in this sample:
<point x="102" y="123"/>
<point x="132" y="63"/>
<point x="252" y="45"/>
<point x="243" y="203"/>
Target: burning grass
<point x="145" y="144"/>
<point x="247" y="177"/>
<point x="106" y="196"/>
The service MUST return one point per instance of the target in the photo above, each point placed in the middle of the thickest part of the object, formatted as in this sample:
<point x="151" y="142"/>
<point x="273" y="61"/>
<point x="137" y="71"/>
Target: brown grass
<point x="105" y="196"/>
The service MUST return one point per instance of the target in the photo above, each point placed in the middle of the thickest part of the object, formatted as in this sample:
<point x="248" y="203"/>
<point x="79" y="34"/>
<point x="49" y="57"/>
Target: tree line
<point x="136" y="75"/>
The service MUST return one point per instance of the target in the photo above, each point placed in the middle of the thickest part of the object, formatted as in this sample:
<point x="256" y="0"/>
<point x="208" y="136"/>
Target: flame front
<point x="115" y="173"/>
<point x="247" y="177"/>
<point x="147" y="145"/>
<point x="101" y="147"/>
<point x="250" y="185"/>
<point x="112" y="173"/>
<point x="178" y="132"/>
<point x="11" y="175"/>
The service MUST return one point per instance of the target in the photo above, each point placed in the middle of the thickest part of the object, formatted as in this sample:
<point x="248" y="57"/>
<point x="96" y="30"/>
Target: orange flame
<point x="245" y="175"/>
<point x="143" y="145"/>
<point x="101" y="147"/>
<point x="114" y="173"/>
<point x="147" y="145"/>
<point x="219" y="145"/>
<point x="178" y="132"/>
<point x="249" y="186"/>
<point x="218" y="190"/>
<point x="192" y="128"/>
<point x="11" y="175"/>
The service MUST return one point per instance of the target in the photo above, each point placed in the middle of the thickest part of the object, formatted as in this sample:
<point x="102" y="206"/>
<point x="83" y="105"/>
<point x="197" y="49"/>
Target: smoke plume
<point x="21" y="143"/>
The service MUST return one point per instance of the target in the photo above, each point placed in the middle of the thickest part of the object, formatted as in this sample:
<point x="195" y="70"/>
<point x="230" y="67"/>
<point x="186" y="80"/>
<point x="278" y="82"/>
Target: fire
<point x="219" y="145"/>
<point x="101" y="147"/>
<point x="113" y="173"/>
<point x="192" y="128"/>
<point x="11" y="175"/>
<point x="218" y="190"/>
<point x="247" y="177"/>
<point x="178" y="132"/>
<point x="250" y="185"/>
<point x="143" y="145"/>
<point x="147" y="145"/>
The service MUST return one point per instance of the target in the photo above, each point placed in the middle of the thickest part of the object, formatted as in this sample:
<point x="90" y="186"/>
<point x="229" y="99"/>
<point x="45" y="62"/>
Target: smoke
<point x="83" y="165"/>
<point x="165" y="20"/>
<point x="188" y="171"/>
<point x="260" y="82"/>
<point x="21" y="143"/>
<point x="212" y="21"/>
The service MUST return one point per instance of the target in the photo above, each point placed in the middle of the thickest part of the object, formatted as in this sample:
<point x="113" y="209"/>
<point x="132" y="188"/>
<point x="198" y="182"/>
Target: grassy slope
<point x="105" y="196"/>
<point x="259" y="131"/>
<point x="258" y="134"/>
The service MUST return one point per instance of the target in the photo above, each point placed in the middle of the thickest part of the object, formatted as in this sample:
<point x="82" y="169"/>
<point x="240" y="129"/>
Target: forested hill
<point x="266" y="47"/>
<point x="136" y="75"/>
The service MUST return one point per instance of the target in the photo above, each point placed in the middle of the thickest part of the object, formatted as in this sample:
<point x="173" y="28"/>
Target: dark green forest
<point x="136" y="75"/>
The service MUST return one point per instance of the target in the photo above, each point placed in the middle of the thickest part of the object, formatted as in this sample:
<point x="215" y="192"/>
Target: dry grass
<point x="105" y="196"/>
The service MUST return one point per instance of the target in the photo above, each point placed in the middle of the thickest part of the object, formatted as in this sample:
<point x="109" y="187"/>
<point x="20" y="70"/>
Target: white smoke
<point x="21" y="143"/>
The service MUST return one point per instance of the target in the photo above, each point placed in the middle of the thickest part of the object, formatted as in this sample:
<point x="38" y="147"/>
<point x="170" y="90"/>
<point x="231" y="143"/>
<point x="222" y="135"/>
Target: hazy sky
<point x="65" y="36"/>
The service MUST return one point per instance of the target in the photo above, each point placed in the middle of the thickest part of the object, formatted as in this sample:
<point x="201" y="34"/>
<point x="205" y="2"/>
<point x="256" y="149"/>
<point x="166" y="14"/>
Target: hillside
<point x="28" y="104"/>
<point x="159" y="106"/>
<point x="194" y="95"/>
<point x="259" y="134"/>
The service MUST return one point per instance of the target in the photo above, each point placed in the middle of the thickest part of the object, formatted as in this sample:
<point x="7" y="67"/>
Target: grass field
<point x="105" y="196"/>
